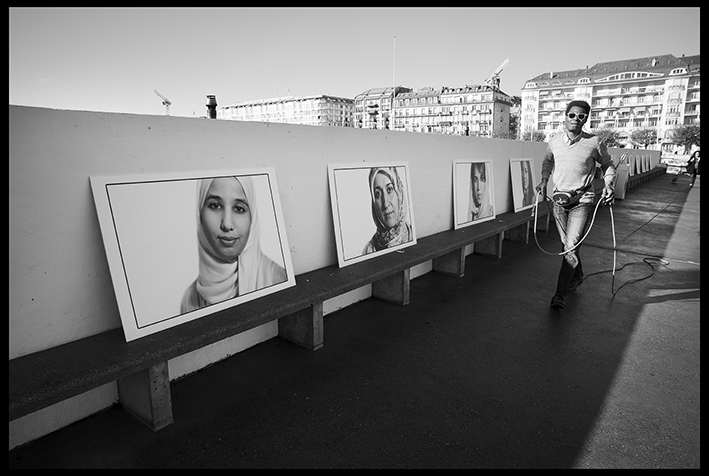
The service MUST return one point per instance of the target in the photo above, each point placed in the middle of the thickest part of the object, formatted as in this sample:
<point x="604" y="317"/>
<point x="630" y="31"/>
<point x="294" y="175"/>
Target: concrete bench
<point x="140" y="367"/>
<point x="637" y="179"/>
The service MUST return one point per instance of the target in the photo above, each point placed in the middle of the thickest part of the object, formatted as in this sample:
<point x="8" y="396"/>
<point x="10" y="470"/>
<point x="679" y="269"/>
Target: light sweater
<point x="574" y="163"/>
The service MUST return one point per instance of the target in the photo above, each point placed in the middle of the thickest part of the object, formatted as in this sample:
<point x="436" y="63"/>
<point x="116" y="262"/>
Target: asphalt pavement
<point x="476" y="372"/>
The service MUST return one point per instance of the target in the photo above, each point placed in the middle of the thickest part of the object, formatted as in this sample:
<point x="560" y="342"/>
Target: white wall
<point x="60" y="286"/>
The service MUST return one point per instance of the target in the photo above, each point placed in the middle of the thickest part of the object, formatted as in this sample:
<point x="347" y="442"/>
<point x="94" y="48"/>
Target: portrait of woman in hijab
<point x="522" y="175"/>
<point x="231" y="262"/>
<point x="182" y="246"/>
<point x="473" y="192"/>
<point x="388" y="210"/>
<point x="527" y="182"/>
<point x="371" y="207"/>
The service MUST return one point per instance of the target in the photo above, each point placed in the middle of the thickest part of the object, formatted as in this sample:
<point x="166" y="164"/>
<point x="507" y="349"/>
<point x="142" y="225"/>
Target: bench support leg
<point x="518" y="233"/>
<point x="304" y="328"/>
<point x="395" y="288"/>
<point x="491" y="246"/>
<point x="452" y="263"/>
<point x="146" y="396"/>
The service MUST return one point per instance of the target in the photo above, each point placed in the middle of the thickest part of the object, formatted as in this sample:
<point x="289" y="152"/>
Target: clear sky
<point x="112" y="59"/>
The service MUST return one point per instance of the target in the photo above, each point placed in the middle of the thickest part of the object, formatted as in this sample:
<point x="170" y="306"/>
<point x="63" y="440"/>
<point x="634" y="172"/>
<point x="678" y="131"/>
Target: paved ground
<point x="476" y="372"/>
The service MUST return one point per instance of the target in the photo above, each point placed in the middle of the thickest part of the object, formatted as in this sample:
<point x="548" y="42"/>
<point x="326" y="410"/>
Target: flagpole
<point x="393" y="92"/>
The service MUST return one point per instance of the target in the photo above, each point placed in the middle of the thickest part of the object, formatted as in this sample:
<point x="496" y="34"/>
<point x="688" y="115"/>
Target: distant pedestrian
<point x="691" y="169"/>
<point x="572" y="157"/>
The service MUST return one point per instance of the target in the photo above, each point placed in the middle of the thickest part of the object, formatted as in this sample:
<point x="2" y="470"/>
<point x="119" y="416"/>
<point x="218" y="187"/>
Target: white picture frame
<point x="523" y="191"/>
<point x="149" y="225"/>
<point x="357" y="235"/>
<point x="469" y="208"/>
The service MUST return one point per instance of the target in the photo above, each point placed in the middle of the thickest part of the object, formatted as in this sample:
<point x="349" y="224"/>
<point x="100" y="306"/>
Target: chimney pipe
<point x="211" y="106"/>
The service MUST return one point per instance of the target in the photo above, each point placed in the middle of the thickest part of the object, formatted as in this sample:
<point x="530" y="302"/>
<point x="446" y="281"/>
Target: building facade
<point x="655" y="93"/>
<point x="477" y="110"/>
<point x="310" y="110"/>
<point x="471" y="110"/>
<point x="372" y="108"/>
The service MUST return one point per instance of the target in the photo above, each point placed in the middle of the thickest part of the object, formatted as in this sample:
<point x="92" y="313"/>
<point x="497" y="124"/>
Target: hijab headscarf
<point x="400" y="233"/>
<point x="484" y="209"/>
<point x="219" y="280"/>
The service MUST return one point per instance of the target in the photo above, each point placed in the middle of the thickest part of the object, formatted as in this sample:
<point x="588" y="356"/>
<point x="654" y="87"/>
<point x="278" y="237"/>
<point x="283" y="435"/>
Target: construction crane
<point x="494" y="80"/>
<point x="165" y="102"/>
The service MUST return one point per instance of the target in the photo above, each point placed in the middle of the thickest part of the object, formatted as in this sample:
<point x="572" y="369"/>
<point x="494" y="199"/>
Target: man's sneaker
<point x="574" y="285"/>
<point x="557" y="302"/>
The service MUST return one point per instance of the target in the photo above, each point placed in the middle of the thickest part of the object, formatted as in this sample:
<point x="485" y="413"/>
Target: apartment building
<point x="476" y="110"/>
<point x="319" y="110"/>
<point x="471" y="110"/>
<point x="372" y="108"/>
<point x="658" y="92"/>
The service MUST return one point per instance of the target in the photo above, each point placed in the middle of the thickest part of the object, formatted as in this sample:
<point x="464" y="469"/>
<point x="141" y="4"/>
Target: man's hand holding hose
<point x="608" y="194"/>
<point x="542" y="187"/>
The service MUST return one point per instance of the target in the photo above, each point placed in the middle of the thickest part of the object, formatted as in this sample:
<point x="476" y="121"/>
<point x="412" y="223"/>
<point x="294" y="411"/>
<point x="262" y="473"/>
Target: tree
<point x="539" y="136"/>
<point x="645" y="136"/>
<point x="686" y="135"/>
<point x="608" y="136"/>
<point x="536" y="136"/>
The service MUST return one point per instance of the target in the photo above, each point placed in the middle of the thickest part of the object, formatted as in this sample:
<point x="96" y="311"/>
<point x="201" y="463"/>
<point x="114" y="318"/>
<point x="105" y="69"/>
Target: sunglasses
<point x="581" y="115"/>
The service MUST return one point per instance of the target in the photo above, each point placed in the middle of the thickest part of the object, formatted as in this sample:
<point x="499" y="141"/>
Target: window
<point x="621" y="76"/>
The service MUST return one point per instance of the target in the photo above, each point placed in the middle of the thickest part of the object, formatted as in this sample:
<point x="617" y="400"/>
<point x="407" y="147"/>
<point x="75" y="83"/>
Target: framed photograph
<point x="638" y="164"/>
<point x="473" y="192"/>
<point x="182" y="246"/>
<point x="371" y="210"/>
<point x="522" y="174"/>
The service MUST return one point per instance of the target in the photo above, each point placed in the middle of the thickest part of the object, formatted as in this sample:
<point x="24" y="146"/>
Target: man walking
<point x="572" y="157"/>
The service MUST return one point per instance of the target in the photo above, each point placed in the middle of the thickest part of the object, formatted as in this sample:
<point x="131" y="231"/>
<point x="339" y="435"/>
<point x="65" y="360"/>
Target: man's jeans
<point x="571" y="223"/>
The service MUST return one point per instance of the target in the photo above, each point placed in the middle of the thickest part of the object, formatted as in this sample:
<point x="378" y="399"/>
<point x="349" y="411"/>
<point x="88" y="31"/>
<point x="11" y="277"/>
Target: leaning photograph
<point x="180" y="248"/>
<point x="372" y="212"/>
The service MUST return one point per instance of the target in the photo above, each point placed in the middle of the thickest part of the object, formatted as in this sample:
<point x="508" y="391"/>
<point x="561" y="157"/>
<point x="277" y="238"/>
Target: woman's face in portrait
<point x="478" y="184"/>
<point x="525" y="175"/>
<point x="226" y="218"/>
<point x="386" y="200"/>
